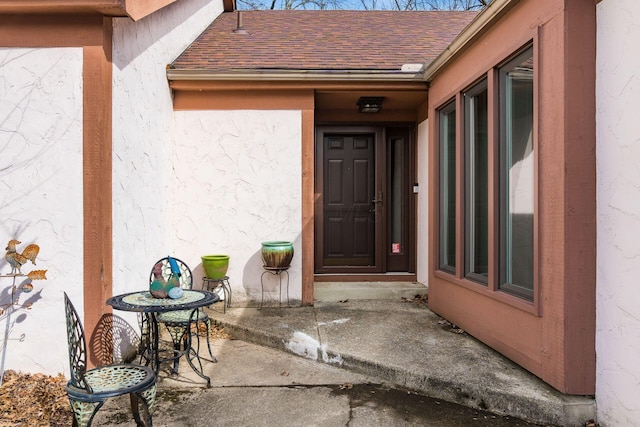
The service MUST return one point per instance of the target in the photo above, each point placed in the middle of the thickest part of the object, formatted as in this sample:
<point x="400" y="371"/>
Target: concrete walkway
<point x="255" y="386"/>
<point x="405" y="344"/>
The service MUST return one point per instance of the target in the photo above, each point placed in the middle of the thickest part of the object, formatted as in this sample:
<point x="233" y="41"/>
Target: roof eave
<point x="475" y="29"/>
<point x="135" y="9"/>
<point x="295" y="75"/>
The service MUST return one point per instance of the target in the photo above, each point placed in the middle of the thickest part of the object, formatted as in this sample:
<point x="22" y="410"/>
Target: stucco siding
<point x="238" y="183"/>
<point x="618" y="213"/>
<point x="41" y="198"/>
<point x="143" y="186"/>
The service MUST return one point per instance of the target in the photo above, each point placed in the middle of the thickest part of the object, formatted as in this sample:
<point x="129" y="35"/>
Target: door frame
<point x="379" y="271"/>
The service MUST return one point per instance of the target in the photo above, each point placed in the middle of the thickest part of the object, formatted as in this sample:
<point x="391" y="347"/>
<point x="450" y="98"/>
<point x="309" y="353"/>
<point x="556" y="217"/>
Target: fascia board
<point x="479" y="25"/>
<point x="294" y="75"/>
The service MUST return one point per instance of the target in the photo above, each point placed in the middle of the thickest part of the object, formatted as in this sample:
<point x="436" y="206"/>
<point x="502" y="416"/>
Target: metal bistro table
<point x="143" y="302"/>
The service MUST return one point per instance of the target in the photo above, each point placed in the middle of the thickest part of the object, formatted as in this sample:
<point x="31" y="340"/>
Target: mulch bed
<point x="34" y="400"/>
<point x="38" y="400"/>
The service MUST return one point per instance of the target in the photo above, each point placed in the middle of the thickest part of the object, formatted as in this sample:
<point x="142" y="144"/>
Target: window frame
<point x="469" y="178"/>
<point x="456" y="97"/>
<point x="447" y="109"/>
<point x="505" y="226"/>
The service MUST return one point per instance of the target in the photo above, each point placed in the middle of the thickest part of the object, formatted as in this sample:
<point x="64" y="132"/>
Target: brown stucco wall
<point x="553" y="337"/>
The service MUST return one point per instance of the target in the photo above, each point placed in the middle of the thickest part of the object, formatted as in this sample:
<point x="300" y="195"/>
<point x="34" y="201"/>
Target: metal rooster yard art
<point x="17" y="260"/>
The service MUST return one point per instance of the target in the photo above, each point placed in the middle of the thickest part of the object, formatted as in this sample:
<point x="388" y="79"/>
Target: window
<point x="516" y="176"/>
<point x="397" y="208"/>
<point x="447" y="198"/>
<point x="476" y="184"/>
<point x="497" y="225"/>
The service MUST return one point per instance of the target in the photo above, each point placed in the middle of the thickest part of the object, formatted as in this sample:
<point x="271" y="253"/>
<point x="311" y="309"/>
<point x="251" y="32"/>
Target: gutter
<point x="296" y="75"/>
<point x="477" y="27"/>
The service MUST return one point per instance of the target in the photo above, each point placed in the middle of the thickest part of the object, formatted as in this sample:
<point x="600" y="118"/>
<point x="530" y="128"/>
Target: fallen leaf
<point x="34" y="400"/>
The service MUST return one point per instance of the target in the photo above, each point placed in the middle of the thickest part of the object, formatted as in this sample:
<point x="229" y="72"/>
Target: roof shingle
<point x="323" y="40"/>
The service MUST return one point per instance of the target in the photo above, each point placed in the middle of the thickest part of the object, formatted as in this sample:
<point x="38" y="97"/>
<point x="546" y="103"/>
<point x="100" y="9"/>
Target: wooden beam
<point x="97" y="180"/>
<point x="308" y="216"/>
<point x="50" y="30"/>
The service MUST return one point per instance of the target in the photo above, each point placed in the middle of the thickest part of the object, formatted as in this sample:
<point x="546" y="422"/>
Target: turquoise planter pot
<point x="277" y="254"/>
<point x="215" y="266"/>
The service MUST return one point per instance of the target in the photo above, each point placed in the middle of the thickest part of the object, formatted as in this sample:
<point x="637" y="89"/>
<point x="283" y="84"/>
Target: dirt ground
<point x="34" y="400"/>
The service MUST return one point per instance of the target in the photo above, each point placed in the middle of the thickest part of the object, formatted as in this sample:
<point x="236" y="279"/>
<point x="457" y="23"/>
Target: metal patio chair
<point x="177" y="322"/>
<point x="88" y="389"/>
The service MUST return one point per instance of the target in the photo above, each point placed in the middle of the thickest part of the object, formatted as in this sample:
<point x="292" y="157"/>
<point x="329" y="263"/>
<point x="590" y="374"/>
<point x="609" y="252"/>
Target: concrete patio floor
<point x="350" y="363"/>
<point x="406" y="345"/>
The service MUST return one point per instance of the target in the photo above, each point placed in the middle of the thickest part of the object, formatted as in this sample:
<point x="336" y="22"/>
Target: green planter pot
<point x="215" y="266"/>
<point x="277" y="254"/>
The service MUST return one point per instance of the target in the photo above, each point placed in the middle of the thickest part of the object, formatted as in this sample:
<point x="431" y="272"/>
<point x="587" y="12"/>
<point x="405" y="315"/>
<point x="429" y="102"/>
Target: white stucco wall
<point x="238" y="183"/>
<point x="422" y="259"/>
<point x="618" y="213"/>
<point x="41" y="198"/>
<point x="143" y="186"/>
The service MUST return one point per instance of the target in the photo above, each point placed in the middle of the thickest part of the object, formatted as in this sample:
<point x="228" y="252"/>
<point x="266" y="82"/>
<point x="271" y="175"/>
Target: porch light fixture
<point x="370" y="104"/>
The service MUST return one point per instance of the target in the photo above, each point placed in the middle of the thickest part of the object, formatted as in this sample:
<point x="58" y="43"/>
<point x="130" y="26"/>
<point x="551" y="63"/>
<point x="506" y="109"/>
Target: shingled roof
<point x="335" y="40"/>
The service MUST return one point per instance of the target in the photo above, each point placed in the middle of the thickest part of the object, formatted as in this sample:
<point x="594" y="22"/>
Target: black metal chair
<point x="89" y="389"/>
<point x="178" y="322"/>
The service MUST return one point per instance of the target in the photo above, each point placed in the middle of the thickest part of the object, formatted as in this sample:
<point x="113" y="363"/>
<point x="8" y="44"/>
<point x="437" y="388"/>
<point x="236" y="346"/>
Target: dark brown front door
<point x="363" y="200"/>
<point x="349" y="227"/>
<point x="349" y="187"/>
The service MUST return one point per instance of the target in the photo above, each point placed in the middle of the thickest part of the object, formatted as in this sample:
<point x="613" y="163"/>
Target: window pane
<point x="476" y="188"/>
<point x="517" y="176"/>
<point x="447" y="162"/>
<point x="397" y="207"/>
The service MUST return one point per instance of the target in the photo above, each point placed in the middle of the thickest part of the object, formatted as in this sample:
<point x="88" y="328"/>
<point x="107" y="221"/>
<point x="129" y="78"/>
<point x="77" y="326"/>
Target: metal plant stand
<point x="276" y="271"/>
<point x="214" y="284"/>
